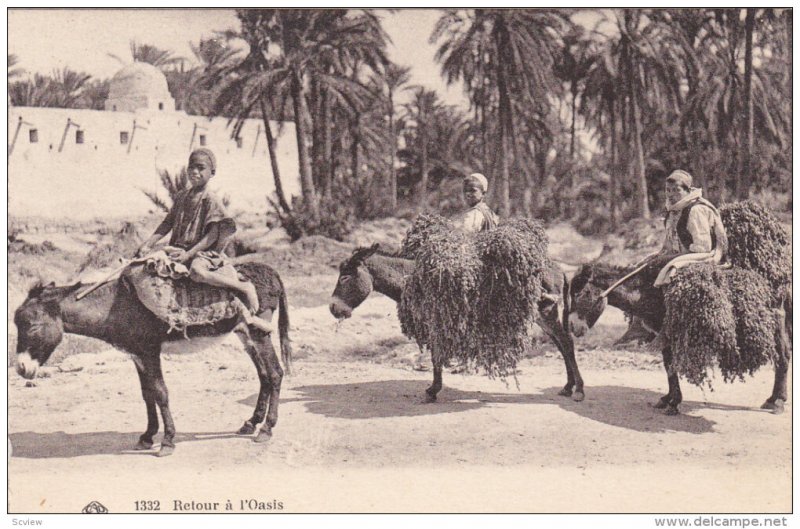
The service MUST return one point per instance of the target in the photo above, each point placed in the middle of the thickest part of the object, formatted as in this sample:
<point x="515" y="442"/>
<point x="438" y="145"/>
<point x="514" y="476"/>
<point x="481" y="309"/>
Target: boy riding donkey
<point x="479" y="217"/>
<point x="200" y="229"/>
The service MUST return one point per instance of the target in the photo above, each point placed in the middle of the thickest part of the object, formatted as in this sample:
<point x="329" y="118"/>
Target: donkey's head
<point x="586" y="301"/>
<point x="39" y="326"/>
<point x="354" y="283"/>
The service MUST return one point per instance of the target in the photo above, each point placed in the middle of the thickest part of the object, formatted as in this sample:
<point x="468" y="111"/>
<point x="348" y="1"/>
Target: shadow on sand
<point x="61" y="444"/>
<point x="623" y="407"/>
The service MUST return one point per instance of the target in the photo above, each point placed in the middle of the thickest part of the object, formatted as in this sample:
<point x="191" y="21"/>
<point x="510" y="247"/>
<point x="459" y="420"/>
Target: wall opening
<point x="79" y="136"/>
<point x="161" y="106"/>
<point x="202" y="140"/>
<point x="123" y="137"/>
<point x="33" y="136"/>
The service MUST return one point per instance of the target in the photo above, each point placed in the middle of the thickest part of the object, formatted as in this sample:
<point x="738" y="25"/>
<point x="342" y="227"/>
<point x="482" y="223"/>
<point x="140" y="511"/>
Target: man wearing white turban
<point x="479" y="217"/>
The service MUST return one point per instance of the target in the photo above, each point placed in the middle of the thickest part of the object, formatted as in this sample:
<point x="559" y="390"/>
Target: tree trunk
<point x="422" y="194"/>
<point x="484" y="139"/>
<point x="355" y="140"/>
<point x="392" y="157"/>
<point x="503" y="195"/>
<point x="574" y="90"/>
<point x="640" y="176"/>
<point x="613" y="198"/>
<point x="316" y="132"/>
<point x="273" y="158"/>
<point x="741" y="191"/>
<point x="300" y="124"/>
<point x="326" y="166"/>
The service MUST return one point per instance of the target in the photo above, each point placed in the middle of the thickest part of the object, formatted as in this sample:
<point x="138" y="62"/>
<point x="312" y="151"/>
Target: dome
<point x="139" y="86"/>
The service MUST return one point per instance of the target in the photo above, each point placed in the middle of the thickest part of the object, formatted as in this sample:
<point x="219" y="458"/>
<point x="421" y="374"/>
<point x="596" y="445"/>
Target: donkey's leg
<point x="268" y="355"/>
<point x="436" y="386"/>
<point x="152" y="367"/>
<point x="260" y="411"/>
<point x="148" y="394"/>
<point x="674" y="397"/>
<point x="779" y="393"/>
<point x="548" y="321"/>
<point x="663" y="402"/>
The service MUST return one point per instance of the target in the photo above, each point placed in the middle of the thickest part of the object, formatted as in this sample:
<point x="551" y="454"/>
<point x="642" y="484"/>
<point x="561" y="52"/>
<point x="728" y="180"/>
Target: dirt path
<point x="353" y="434"/>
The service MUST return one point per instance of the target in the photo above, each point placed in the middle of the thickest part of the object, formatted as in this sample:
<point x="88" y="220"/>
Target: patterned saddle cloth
<point x="181" y="302"/>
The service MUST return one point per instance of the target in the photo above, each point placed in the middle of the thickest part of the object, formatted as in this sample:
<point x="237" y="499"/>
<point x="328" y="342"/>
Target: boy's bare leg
<point x="200" y="273"/>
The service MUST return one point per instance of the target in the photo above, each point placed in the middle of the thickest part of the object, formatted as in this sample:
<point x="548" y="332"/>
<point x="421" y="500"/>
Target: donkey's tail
<point x="283" y="331"/>
<point x="787" y="309"/>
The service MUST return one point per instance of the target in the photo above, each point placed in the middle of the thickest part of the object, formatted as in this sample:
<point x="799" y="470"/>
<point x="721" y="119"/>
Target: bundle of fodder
<point x="704" y="327"/>
<point x="755" y="324"/>
<point x="436" y="307"/>
<point x="424" y="226"/>
<point x="699" y="324"/>
<point x="514" y="256"/>
<point x="757" y="241"/>
<point x="472" y="296"/>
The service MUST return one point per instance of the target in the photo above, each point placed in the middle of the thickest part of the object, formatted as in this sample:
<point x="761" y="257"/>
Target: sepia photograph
<point x="447" y="260"/>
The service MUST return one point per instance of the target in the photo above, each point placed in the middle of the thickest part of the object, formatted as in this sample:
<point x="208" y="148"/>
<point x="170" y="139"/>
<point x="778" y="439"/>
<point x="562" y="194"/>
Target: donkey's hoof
<point x="578" y="396"/>
<point x="166" y="450"/>
<point x="672" y="410"/>
<point x="264" y="435"/>
<point x="566" y="392"/>
<point x="143" y="445"/>
<point x="247" y="428"/>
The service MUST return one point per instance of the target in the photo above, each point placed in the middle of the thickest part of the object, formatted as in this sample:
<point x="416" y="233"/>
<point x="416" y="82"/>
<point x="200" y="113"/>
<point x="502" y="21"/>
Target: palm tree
<point x="572" y="67"/>
<point x="191" y="88"/>
<point x="67" y="86"/>
<point x="419" y="115"/>
<point x="510" y="52"/>
<point x="302" y="38"/>
<point x="13" y="73"/>
<point x="34" y="92"/>
<point x="160" y="58"/>
<point x="740" y="190"/>
<point x="340" y="86"/>
<point x="395" y="77"/>
<point x="247" y="87"/>
<point x="95" y="93"/>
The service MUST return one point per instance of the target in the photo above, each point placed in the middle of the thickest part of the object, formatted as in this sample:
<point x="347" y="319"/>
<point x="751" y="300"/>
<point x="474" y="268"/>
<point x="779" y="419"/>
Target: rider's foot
<point x="249" y="291"/>
<point x="259" y="323"/>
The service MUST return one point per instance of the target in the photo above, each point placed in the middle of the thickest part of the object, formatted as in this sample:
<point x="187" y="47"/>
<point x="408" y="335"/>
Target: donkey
<point x="640" y="298"/>
<point x="368" y="268"/>
<point x="114" y="314"/>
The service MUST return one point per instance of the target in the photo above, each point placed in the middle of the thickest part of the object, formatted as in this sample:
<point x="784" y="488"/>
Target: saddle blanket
<point x="181" y="302"/>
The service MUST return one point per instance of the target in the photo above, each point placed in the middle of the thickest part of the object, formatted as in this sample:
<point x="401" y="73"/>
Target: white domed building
<point x="139" y="86"/>
<point x="80" y="163"/>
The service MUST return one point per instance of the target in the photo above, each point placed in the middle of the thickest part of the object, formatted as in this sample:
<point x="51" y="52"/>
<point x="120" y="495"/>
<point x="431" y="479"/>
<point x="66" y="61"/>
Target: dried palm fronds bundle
<point x="718" y="317"/>
<point x="757" y="241"/>
<point x="751" y="298"/>
<point x="472" y="296"/>
<point x="424" y="226"/>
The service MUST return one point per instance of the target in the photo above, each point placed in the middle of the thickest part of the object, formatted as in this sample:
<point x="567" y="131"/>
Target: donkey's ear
<point x="374" y="248"/>
<point x="51" y="284"/>
<point x="580" y="280"/>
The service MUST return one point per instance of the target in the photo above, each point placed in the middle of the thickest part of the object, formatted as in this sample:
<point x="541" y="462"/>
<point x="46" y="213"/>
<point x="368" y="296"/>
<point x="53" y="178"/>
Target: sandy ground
<point x="354" y="436"/>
